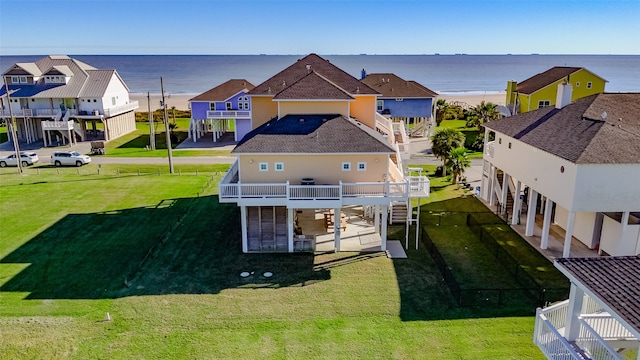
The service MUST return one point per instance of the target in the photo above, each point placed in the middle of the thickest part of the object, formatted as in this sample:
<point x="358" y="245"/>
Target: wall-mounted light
<point x="377" y="161"/>
<point x="250" y="161"/>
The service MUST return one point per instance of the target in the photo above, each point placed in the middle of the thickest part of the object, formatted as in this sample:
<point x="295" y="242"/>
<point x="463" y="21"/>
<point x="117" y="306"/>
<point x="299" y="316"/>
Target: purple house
<point x="224" y="109"/>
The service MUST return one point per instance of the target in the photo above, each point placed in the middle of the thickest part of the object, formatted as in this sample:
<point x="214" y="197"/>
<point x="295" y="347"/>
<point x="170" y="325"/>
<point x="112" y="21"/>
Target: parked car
<point x="26" y="159"/>
<point x="71" y="158"/>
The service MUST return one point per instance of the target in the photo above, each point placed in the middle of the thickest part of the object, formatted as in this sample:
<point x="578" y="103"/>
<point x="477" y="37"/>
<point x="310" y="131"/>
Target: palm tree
<point x="442" y="141"/>
<point x="457" y="161"/>
<point x="441" y="110"/>
<point x="482" y="113"/>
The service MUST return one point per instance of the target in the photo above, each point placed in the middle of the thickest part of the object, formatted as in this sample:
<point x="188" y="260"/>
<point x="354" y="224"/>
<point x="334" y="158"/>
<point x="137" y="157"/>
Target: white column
<point x="542" y="204"/>
<point x="546" y="224"/>
<point x="505" y="191"/>
<point x="383" y="233"/>
<point x="516" y="204"/>
<point x="624" y="222"/>
<point x="576" y="297"/>
<point x="483" y="181"/>
<point x="290" y="228"/>
<point x="376" y="218"/>
<point x="44" y="138"/>
<point x="531" y="213"/>
<point x="243" y="225"/>
<point x="567" y="236"/>
<point x="336" y="229"/>
<point x="492" y="180"/>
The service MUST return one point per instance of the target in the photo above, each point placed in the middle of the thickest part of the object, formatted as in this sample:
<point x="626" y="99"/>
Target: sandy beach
<point x="181" y="101"/>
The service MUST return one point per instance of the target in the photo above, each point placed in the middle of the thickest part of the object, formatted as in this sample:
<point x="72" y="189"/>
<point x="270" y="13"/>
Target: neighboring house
<point x="225" y="108"/>
<point x="582" y="158"/>
<point x="317" y="151"/>
<point x="403" y="100"/>
<point x="60" y="100"/>
<point x="600" y="320"/>
<point x="540" y="90"/>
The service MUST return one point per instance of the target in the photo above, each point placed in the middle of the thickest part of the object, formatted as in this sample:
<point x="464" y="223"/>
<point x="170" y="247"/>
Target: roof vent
<point x="284" y="83"/>
<point x="324" y="120"/>
<point x="269" y="88"/>
<point x="308" y="68"/>
<point x="604" y="116"/>
<point x="358" y="89"/>
<point x="301" y="120"/>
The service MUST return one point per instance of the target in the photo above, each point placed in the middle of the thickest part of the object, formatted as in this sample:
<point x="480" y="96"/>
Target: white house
<point x="61" y="99"/>
<point x="579" y="161"/>
<point x="601" y="318"/>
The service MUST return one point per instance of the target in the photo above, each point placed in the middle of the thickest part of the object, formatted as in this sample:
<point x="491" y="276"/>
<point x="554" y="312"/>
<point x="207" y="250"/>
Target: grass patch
<point x="63" y="265"/>
<point x="3" y="134"/>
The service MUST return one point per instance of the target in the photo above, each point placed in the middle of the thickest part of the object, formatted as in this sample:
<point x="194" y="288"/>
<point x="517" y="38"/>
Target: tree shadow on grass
<point x="179" y="246"/>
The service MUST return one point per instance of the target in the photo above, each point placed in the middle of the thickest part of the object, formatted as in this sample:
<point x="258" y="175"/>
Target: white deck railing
<point x="117" y="110"/>
<point x="593" y="344"/>
<point x="228" y="114"/>
<point x="57" y="125"/>
<point x="608" y="327"/>
<point x="552" y="344"/>
<point x="17" y="113"/>
<point x="49" y="112"/>
<point x="489" y="149"/>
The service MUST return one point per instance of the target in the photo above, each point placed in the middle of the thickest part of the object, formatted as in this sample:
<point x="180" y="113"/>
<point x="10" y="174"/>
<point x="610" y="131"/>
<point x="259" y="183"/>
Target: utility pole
<point x="152" y="133"/>
<point x="166" y="127"/>
<point x="14" y="134"/>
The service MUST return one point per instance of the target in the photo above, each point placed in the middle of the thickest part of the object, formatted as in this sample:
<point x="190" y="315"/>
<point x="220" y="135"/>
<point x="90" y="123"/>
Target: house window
<point x="380" y="105"/>
<point x="399" y="99"/>
<point x="212" y="106"/>
<point x="229" y="106"/>
<point x="543" y="104"/>
<point x="499" y="140"/>
<point x="113" y="100"/>
<point x="509" y="144"/>
<point x="263" y="166"/>
<point x="589" y="85"/>
<point x="279" y="166"/>
<point x="15" y="79"/>
<point x="23" y="79"/>
<point x="578" y="84"/>
<point x="362" y="166"/>
<point x="346" y="166"/>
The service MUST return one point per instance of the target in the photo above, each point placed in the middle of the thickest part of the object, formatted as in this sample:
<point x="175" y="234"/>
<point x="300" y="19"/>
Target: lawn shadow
<point x="179" y="246"/>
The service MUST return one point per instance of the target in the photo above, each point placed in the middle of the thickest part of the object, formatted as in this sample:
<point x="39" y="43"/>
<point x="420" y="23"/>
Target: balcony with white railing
<point x="18" y="113"/>
<point x="599" y="333"/>
<point x="284" y="194"/>
<point x="57" y="125"/>
<point x="121" y="109"/>
<point x="489" y="149"/>
<point x="228" y="114"/>
<point x="55" y="113"/>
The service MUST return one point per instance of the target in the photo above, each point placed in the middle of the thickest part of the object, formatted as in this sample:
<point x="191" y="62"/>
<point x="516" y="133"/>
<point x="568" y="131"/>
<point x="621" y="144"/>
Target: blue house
<point x="224" y="109"/>
<point x="402" y="100"/>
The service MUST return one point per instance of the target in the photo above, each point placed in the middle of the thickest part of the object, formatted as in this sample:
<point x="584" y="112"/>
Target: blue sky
<point x="325" y="27"/>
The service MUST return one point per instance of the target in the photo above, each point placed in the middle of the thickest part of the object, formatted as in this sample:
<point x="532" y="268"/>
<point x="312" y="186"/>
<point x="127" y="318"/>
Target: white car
<point x="26" y="159"/>
<point x="71" y="158"/>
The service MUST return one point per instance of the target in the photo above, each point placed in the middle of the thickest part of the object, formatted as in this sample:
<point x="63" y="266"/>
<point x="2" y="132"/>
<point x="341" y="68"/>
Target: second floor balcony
<point x="320" y="195"/>
<point x="228" y="114"/>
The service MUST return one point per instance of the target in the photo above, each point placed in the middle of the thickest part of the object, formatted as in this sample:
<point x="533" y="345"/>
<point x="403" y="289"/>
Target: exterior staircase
<point x="398" y="212"/>
<point x="507" y="207"/>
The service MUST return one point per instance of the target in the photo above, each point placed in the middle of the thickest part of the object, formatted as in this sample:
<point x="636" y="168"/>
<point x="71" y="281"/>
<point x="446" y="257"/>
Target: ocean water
<point x="449" y="74"/>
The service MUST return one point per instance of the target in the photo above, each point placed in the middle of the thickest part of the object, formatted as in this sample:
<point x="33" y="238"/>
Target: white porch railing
<point x="489" y="149"/>
<point x="17" y="113"/>
<point x="385" y="126"/>
<point x="228" y="114"/>
<point x="552" y="344"/>
<point x="608" y="327"/>
<point x="117" y="110"/>
<point x="49" y="112"/>
<point x="593" y="344"/>
<point x="57" y="125"/>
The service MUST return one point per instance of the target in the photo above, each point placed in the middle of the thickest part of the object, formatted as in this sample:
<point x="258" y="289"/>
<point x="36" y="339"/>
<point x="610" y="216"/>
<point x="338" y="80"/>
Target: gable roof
<point x="613" y="280"/>
<point x="579" y="133"/>
<point x="302" y="68"/>
<point x="393" y="86"/>
<point x="84" y="80"/>
<point x="24" y="69"/>
<point x="225" y="90"/>
<point x="313" y="86"/>
<point x="312" y="134"/>
<point x="544" y="79"/>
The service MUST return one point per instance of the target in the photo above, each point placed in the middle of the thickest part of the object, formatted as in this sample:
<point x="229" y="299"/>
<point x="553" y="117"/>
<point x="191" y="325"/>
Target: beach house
<point x="600" y="320"/>
<point x="540" y="90"/>
<point x="60" y="100"/>
<point x="403" y="100"/>
<point x="320" y="170"/>
<point x="580" y="165"/>
<point x="223" y="109"/>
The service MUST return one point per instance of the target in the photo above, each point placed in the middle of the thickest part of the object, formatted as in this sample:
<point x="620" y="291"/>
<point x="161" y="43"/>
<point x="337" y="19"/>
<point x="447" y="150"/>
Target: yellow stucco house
<point x="540" y="90"/>
<point x="320" y="170"/>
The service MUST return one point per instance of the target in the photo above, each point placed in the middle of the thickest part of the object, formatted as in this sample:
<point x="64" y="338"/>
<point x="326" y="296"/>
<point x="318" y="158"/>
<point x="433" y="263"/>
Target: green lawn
<point x="470" y="134"/>
<point x="3" y="134"/>
<point x="165" y="264"/>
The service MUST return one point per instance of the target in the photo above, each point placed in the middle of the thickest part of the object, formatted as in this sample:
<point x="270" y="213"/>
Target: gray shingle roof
<point x="314" y="134"/>
<point x="544" y="79"/>
<point x="313" y="86"/>
<point x="393" y="86"/>
<point x="224" y="91"/>
<point x="578" y="132"/>
<point x="302" y="67"/>
<point x="614" y="280"/>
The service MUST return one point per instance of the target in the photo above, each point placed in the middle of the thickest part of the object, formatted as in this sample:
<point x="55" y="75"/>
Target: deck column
<point x="504" y="192"/>
<point x="376" y="218"/>
<point x="515" y="212"/>
<point x="576" y="297"/>
<point x="531" y="212"/>
<point x="567" y="236"/>
<point x="243" y="225"/>
<point x="336" y="229"/>
<point x="290" y="228"/>
<point x="492" y="184"/>
<point x="383" y="233"/>
<point x="544" y="242"/>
